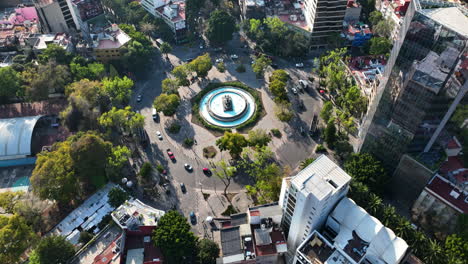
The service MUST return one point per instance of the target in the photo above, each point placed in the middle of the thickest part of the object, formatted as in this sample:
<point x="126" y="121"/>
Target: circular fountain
<point x="227" y="106"/>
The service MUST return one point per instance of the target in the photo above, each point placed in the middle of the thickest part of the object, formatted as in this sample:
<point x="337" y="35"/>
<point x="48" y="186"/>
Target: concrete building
<point x="107" y="44"/>
<point x="55" y="16"/>
<point x="252" y="237"/>
<point x="350" y="236"/>
<point x="421" y="86"/>
<point x="38" y="42"/>
<point x="88" y="16"/>
<point x="15" y="24"/>
<point x="308" y="198"/>
<point x="252" y="9"/>
<point x="172" y="12"/>
<point x="353" y="11"/>
<point x="394" y="11"/>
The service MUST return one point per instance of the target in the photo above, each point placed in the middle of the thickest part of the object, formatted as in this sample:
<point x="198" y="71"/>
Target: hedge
<point x="211" y="86"/>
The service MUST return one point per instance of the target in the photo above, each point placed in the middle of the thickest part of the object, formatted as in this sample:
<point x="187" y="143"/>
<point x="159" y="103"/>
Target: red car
<point x="207" y="171"/>
<point x="170" y="154"/>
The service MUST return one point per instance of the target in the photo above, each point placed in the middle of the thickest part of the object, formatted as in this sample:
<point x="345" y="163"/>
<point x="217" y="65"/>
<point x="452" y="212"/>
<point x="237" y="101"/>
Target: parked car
<point x="193" y="218"/>
<point x="170" y="154"/>
<point x="189" y="60"/>
<point x="155" y="115"/>
<point x="294" y="90"/>
<point x="139" y="98"/>
<point x="234" y="57"/>
<point x="274" y="66"/>
<point x="188" y="167"/>
<point x="304" y="84"/>
<point x="314" y="126"/>
<point x="159" y="135"/>
<point x="207" y="171"/>
<point x="218" y="49"/>
<point x="218" y="60"/>
<point x="201" y="46"/>
<point x="182" y="187"/>
<point x="299" y="65"/>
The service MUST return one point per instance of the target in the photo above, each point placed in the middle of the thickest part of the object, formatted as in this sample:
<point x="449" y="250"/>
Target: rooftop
<point x="430" y="73"/>
<point x="352" y="235"/>
<point x="16" y="136"/>
<point x="449" y="194"/>
<point x="139" y="248"/>
<point x="290" y="12"/>
<point x="110" y="38"/>
<point x="134" y="213"/>
<point x="174" y="10"/>
<point x="322" y="177"/>
<point x="450" y="17"/>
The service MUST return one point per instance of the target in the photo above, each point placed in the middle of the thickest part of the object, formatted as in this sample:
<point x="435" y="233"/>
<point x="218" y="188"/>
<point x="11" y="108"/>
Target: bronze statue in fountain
<point x="227" y="103"/>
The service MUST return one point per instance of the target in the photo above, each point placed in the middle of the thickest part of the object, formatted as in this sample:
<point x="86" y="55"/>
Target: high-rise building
<point x="88" y="15"/>
<point x="419" y="89"/>
<point x="308" y="197"/>
<point x="55" y="16"/>
<point x="324" y="17"/>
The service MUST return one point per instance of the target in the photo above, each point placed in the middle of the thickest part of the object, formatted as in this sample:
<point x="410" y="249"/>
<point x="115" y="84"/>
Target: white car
<point x="294" y="90"/>
<point x="139" y="98"/>
<point x="234" y="56"/>
<point x="219" y="60"/>
<point x="188" y="167"/>
<point x="201" y="46"/>
<point x="159" y="135"/>
<point x="299" y="65"/>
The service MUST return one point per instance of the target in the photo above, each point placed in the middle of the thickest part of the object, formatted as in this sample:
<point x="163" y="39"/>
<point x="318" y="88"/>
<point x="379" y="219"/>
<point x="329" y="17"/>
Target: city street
<point x="291" y="148"/>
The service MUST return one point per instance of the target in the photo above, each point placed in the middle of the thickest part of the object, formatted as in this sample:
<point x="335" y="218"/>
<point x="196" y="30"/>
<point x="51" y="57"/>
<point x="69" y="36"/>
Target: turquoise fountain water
<point x="227" y="106"/>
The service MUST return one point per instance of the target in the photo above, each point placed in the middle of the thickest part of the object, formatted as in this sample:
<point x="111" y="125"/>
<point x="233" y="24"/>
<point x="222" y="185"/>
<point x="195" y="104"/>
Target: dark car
<point x="189" y="60"/>
<point x="188" y="167"/>
<point x="207" y="171"/>
<point x="193" y="218"/>
<point x="182" y="188"/>
<point x="170" y="154"/>
<point x="274" y="66"/>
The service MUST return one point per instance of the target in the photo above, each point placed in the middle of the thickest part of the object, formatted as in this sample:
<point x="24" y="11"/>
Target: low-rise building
<point x="353" y="11"/>
<point x="107" y="43"/>
<point x="172" y="12"/>
<point x="394" y="11"/>
<point x="39" y="42"/>
<point x="252" y="9"/>
<point x="252" y="237"/>
<point x="15" y="25"/>
<point x="357" y="34"/>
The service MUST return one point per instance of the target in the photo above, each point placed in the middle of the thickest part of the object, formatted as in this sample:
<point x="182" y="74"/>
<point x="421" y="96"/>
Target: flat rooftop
<point x="449" y="17"/>
<point x="448" y="193"/>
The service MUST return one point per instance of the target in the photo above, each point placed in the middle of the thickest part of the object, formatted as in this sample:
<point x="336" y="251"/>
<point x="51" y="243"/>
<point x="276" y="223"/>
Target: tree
<point x="327" y="111"/>
<point x="456" y="249"/>
<point x="281" y="75"/>
<point x="9" y="199"/>
<point x="278" y="89"/>
<point x="220" y="27"/>
<point x="174" y="238"/>
<point x="117" y="196"/>
<point x="165" y="48"/>
<point x="15" y="237"/>
<point x="170" y="86"/>
<point x="89" y="154"/>
<point x="118" y="89"/>
<point x="180" y="73"/>
<point x="201" y="65"/>
<point x="375" y="17"/>
<point x="52" y="250"/>
<point x="283" y="111"/>
<point x="145" y="170"/>
<point x="123" y="119"/>
<point x="208" y="251"/>
<point x="258" y="138"/>
<point x="330" y="134"/>
<point x="86" y="89"/>
<point x="384" y="28"/>
<point x="167" y="103"/>
<point x="55" y="53"/>
<point x="85" y="237"/>
<point x="260" y="64"/>
<point x="459" y="117"/>
<point x="116" y="160"/>
<point x="306" y="163"/>
<point x="147" y="28"/>
<point x="225" y="172"/>
<point x="232" y="142"/>
<point x="10" y="83"/>
<point x="380" y="45"/>
<point x="54" y="177"/>
<point x="45" y="79"/>
<point x="365" y="168"/>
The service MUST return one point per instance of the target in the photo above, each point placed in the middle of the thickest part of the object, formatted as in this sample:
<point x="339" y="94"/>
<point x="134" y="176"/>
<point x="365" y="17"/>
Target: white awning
<point x="368" y="228"/>
<point x="395" y="251"/>
<point x="16" y="136"/>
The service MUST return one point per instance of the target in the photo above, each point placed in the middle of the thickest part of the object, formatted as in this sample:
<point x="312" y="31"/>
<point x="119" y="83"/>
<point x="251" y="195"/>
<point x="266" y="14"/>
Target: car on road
<point x="274" y="66"/>
<point x="182" y="187"/>
<point x="189" y="60"/>
<point x="193" y="218"/>
<point x="201" y="46"/>
<point x="294" y="90"/>
<point x="299" y="65"/>
<point x="304" y="84"/>
<point x="155" y="115"/>
<point x="207" y="171"/>
<point x="234" y="57"/>
<point x="166" y="188"/>
<point x="170" y="154"/>
<point x="218" y="60"/>
<point x="139" y="98"/>
<point x="218" y="49"/>
<point x="188" y="167"/>
<point x="159" y="135"/>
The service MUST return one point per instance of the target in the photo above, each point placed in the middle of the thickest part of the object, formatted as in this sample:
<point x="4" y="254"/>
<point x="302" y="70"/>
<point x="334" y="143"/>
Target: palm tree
<point x="418" y="242"/>
<point x="388" y="215"/>
<point x="147" y="28"/>
<point x="165" y="48"/>
<point x="374" y="204"/>
<point x="434" y="253"/>
<point x="403" y="227"/>
<point x="306" y="162"/>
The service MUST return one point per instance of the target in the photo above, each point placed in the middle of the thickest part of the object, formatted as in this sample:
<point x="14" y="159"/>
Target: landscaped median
<point x="198" y="119"/>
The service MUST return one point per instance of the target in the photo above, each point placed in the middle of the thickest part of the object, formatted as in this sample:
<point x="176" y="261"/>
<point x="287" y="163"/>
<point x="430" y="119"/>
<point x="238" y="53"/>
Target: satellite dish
<point x="124" y="180"/>
<point x="129" y="184"/>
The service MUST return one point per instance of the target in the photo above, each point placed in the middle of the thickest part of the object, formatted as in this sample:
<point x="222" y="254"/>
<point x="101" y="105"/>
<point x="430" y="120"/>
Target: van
<point x="155" y="115"/>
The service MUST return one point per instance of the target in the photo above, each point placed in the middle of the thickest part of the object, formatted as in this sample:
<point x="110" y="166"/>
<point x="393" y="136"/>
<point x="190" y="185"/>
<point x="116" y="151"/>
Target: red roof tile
<point x="442" y="189"/>
<point x="255" y="213"/>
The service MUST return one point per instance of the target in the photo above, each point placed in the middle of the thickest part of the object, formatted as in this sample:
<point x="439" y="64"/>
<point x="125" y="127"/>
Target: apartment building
<point x="55" y="16"/>
<point x="88" y="15"/>
<point x="173" y="14"/>
<point x="308" y="198"/>
<point x="108" y="43"/>
<point x="420" y="88"/>
<point x="350" y="236"/>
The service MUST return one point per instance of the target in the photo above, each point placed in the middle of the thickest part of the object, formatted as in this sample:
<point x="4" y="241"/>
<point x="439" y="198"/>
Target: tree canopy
<point x="167" y="103"/>
<point x="118" y="89"/>
<point x="258" y="138"/>
<point x="208" y="251"/>
<point x="173" y="236"/>
<point x="122" y="119"/>
<point x="15" y="237"/>
<point x="52" y="250"/>
<point x="363" y="167"/>
<point x="220" y="27"/>
<point x="201" y="65"/>
<point x="232" y="142"/>
<point x="380" y="45"/>
<point x="260" y="64"/>
<point x="117" y="196"/>
<point x="10" y="83"/>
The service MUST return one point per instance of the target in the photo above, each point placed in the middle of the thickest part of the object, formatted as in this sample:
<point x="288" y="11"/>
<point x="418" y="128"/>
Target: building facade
<point x="55" y="16"/>
<point x="308" y="197"/>
<point x="107" y="44"/>
<point x="416" y="91"/>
